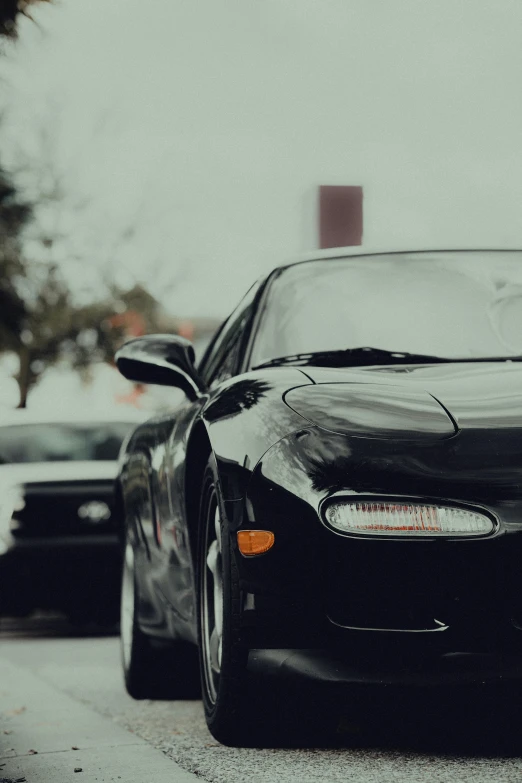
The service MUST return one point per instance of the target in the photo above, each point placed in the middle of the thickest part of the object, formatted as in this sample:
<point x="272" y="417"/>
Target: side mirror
<point x="162" y="359"/>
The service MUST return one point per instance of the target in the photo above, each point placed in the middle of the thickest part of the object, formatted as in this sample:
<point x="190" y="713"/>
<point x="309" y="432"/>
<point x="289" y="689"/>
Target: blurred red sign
<point x="132" y="322"/>
<point x="340" y="215"/>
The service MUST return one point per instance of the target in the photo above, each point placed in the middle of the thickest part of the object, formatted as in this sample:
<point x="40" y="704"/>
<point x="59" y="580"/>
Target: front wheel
<point x="234" y="712"/>
<point x="152" y="669"/>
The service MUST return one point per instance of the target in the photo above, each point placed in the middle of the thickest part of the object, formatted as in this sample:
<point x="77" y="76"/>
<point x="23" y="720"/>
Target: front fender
<point x="359" y="582"/>
<point x="244" y="418"/>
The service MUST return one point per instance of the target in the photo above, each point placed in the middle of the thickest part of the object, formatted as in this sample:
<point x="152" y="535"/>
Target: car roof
<point x="357" y="250"/>
<point x="11" y="417"/>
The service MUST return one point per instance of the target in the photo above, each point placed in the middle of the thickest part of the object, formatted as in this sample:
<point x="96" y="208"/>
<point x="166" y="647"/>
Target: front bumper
<point x="322" y="667"/>
<point x="320" y="590"/>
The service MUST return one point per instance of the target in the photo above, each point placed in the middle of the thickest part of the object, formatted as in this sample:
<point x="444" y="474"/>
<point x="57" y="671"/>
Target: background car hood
<point x="477" y="395"/>
<point x="57" y="472"/>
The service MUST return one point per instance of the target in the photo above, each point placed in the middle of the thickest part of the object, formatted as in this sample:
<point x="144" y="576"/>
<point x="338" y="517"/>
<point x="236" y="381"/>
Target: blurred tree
<point x="14" y="215"/>
<point x="40" y="318"/>
<point x="9" y="11"/>
<point x="98" y="329"/>
<point x="36" y="312"/>
<point x="48" y="326"/>
<point x="54" y="328"/>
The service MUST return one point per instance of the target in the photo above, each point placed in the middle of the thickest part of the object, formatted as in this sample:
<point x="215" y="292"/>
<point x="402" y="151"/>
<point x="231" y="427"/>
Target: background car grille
<point x="52" y="510"/>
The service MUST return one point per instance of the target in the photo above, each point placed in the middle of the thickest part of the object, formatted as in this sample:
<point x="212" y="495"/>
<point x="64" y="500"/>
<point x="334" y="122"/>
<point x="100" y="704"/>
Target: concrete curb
<point x="69" y="736"/>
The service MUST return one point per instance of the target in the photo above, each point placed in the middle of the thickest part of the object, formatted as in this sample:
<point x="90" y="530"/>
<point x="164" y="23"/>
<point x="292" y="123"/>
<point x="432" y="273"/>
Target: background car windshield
<point x="466" y="305"/>
<point x="61" y="442"/>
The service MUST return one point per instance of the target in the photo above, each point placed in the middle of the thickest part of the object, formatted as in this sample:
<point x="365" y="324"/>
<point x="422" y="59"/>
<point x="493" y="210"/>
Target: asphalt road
<point x="457" y="737"/>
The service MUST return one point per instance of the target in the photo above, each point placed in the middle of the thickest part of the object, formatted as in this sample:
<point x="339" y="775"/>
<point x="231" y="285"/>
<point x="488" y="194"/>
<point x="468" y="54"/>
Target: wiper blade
<point x="353" y="357"/>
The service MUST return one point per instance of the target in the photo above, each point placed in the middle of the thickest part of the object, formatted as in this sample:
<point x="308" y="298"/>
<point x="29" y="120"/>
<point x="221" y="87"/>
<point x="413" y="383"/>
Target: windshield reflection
<point x="243" y="395"/>
<point x="451" y="305"/>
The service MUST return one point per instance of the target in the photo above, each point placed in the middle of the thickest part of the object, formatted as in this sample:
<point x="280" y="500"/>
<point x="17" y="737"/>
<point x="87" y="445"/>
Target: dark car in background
<point x="58" y="527"/>
<point x="338" y="500"/>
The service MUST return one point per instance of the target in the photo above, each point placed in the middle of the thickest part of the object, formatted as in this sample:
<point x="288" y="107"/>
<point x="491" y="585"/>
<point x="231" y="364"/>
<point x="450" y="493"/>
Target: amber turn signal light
<point x="255" y="542"/>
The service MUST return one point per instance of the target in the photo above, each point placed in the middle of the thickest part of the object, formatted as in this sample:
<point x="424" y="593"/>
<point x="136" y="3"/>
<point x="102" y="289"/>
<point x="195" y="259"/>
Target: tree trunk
<point x="24" y="376"/>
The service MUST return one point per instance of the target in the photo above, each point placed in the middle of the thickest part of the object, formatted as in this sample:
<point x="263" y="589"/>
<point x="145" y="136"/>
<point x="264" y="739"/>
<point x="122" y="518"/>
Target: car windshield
<point x="61" y="442"/>
<point x="451" y="305"/>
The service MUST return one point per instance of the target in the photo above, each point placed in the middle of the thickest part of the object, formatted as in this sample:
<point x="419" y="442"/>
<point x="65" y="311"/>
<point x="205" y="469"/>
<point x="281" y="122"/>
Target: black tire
<point x="235" y="712"/>
<point x="152" y="669"/>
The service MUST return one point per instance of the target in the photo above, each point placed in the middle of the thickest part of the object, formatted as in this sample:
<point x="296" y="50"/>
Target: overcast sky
<point x="207" y="126"/>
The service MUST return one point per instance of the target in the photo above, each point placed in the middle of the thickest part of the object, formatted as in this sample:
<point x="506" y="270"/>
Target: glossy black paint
<point x="241" y="420"/>
<point x="371" y="410"/>
<point x="471" y="587"/>
<point x="285" y="440"/>
<point x="162" y="359"/>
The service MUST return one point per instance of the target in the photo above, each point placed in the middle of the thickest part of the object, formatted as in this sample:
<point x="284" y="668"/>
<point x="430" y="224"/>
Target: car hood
<point x="57" y="472"/>
<point x="476" y="395"/>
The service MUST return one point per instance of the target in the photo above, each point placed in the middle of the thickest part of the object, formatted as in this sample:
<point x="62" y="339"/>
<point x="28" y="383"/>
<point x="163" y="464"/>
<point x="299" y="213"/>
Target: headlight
<point x="94" y="511"/>
<point x="405" y="519"/>
<point x="6" y="513"/>
<point x="11" y="500"/>
<point x="372" y="410"/>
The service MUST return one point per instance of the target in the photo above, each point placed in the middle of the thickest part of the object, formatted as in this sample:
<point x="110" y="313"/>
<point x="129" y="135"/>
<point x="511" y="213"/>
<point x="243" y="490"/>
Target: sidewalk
<point x="48" y="737"/>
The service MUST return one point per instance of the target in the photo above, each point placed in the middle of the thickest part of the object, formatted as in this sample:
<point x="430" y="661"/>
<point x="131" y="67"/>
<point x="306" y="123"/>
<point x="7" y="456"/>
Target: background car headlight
<point x="11" y="500"/>
<point x="405" y="519"/>
<point x="6" y="513"/>
<point x="95" y="511"/>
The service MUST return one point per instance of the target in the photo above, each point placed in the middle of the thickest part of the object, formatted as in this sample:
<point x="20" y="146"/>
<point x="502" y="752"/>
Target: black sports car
<point x="339" y="497"/>
<point x="59" y="545"/>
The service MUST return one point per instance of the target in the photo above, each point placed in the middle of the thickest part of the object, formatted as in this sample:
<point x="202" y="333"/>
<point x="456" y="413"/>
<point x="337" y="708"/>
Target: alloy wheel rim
<point x="212" y="595"/>
<point x="127" y="606"/>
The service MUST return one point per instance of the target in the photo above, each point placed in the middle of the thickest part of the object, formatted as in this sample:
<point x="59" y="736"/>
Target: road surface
<point x="50" y="672"/>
